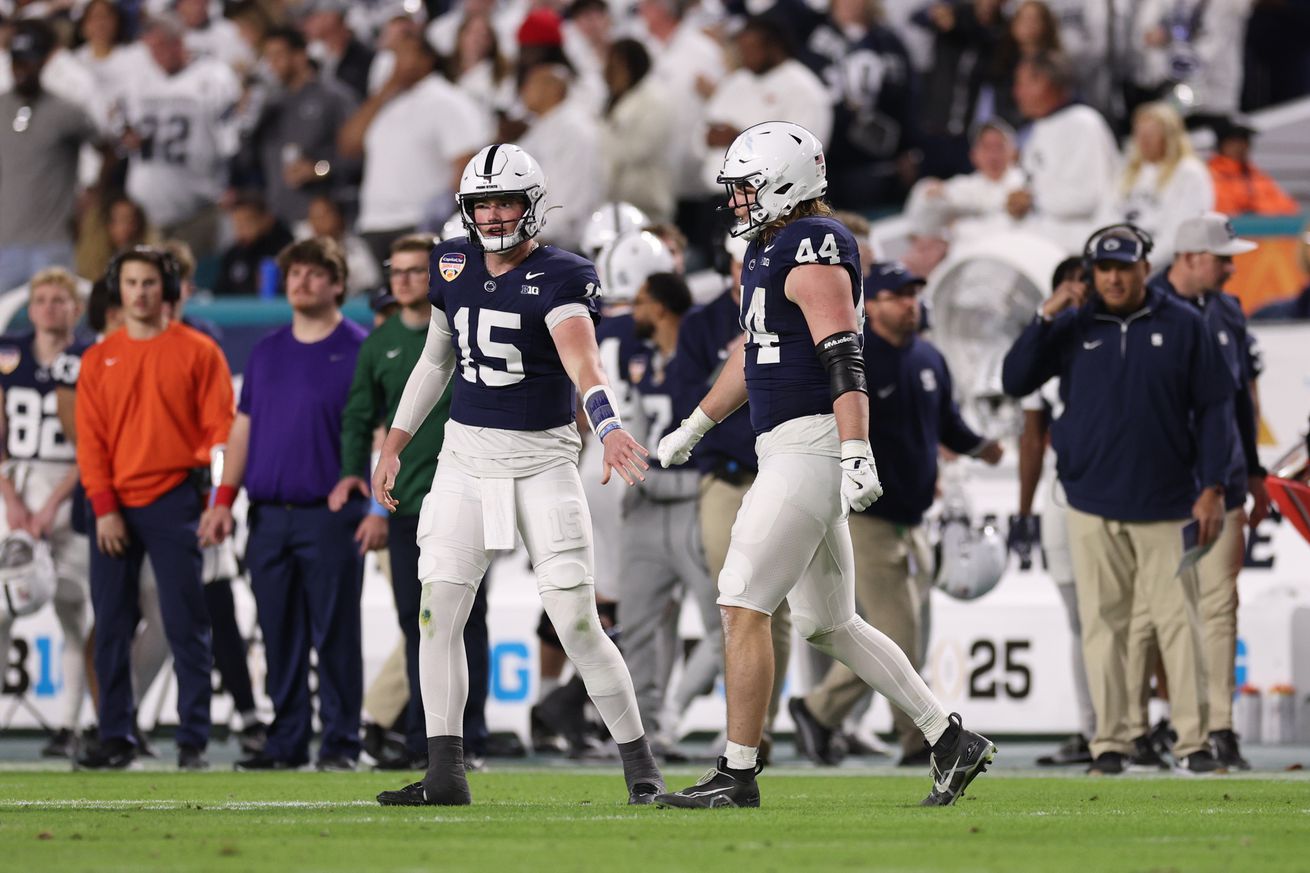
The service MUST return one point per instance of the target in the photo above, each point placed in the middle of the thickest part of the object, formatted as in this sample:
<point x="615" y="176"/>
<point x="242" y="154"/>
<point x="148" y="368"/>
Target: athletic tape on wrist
<point x="601" y="407"/>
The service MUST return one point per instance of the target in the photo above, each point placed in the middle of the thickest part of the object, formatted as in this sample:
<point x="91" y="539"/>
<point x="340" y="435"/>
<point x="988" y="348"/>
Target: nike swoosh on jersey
<point x="769" y="248"/>
<point x="334" y="358"/>
<point x="534" y="275"/>
<point x="394" y="353"/>
<point x="1092" y="345"/>
<point x="884" y="393"/>
<point x="109" y="362"/>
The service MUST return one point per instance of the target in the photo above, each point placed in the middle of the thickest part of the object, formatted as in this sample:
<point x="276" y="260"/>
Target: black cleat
<point x="1146" y="757"/>
<point x="115" y="754"/>
<point x="62" y="745"/>
<point x="191" y="758"/>
<point x="253" y="738"/>
<point x="719" y="787"/>
<point x="411" y="795"/>
<point x="1200" y="763"/>
<point x="1108" y="764"/>
<point x="813" y="739"/>
<point x="644" y="793"/>
<point x="262" y="762"/>
<point x="1227" y="750"/>
<point x="336" y="764"/>
<point x="963" y="757"/>
<point x="1074" y="751"/>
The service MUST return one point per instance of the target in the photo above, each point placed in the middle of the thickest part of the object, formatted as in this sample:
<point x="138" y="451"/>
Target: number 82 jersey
<point x="784" y="378"/>
<point x="30" y="403"/>
<point x="508" y="374"/>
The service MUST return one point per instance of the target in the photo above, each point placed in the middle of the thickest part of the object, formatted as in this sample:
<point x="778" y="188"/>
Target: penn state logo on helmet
<point x="27" y="574"/>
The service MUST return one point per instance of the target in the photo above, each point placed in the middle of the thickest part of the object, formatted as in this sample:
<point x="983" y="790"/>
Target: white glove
<point x="859" y="476"/>
<point x="676" y="448"/>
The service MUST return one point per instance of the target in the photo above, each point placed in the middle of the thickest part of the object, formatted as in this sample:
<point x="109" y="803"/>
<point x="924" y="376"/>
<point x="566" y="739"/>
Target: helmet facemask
<point x="525" y="228"/>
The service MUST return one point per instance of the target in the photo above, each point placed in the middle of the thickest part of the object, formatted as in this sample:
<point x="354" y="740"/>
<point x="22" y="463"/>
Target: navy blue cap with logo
<point x="1119" y="243"/>
<point x="893" y="277"/>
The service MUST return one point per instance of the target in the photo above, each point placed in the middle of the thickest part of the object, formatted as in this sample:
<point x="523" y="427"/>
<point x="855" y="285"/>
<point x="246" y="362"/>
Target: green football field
<point x="547" y="820"/>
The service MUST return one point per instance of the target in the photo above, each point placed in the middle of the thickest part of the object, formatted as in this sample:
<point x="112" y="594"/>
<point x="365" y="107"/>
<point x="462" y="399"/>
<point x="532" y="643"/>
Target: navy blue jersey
<point x="508" y="373"/>
<point x="662" y="402"/>
<point x="622" y="355"/>
<point x="784" y="378"/>
<point x="31" y="407"/>
<point x="706" y="339"/>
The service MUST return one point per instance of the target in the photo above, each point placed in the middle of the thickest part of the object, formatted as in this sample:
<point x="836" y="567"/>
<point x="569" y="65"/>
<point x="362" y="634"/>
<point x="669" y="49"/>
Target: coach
<point x="305" y="570"/>
<point x="1148" y="403"/>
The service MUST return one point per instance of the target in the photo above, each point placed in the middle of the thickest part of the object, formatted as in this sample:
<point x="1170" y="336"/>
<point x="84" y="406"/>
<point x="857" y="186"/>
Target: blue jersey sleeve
<point x="814" y="241"/>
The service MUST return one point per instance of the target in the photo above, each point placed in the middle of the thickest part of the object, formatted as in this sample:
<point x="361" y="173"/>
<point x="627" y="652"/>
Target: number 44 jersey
<point x="784" y="378"/>
<point x="508" y="374"/>
<point x="31" y="406"/>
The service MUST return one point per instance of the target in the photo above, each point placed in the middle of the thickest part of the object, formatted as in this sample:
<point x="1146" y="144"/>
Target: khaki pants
<point x="719" y="503"/>
<point x="388" y="694"/>
<point x="1119" y="564"/>
<point x="1217" y="579"/>
<point x="893" y="574"/>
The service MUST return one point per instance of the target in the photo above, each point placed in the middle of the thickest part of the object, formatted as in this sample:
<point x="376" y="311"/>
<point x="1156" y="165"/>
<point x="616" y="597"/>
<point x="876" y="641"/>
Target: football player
<point x="803" y="370"/>
<point x="40" y="472"/>
<point x="512" y="324"/>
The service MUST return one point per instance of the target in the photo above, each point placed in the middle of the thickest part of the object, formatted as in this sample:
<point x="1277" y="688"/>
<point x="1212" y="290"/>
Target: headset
<point x="169" y="271"/>
<point x="1122" y="229"/>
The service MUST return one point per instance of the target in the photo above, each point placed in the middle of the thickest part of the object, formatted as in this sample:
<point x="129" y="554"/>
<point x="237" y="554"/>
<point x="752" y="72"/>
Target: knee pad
<point x="565" y="570"/>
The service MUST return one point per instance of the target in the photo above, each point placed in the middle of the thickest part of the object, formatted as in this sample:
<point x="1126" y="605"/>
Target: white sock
<point x="741" y="757"/>
<point x="443" y="672"/>
<point x="877" y="660"/>
<point x="573" y="613"/>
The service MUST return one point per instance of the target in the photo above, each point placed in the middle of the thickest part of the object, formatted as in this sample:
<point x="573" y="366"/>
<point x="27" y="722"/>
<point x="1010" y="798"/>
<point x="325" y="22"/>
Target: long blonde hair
<point x="1177" y="147"/>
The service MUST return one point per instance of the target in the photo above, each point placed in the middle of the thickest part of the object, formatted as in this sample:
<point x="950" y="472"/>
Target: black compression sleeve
<point x="842" y="355"/>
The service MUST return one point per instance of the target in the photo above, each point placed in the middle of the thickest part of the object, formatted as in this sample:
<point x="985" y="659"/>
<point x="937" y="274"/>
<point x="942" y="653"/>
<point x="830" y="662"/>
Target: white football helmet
<point x="783" y="162"/>
<point x="501" y="169"/>
<point x="453" y="228"/>
<point x="625" y="264"/>
<point x="607" y="224"/>
<point x="27" y="574"/>
<point x="972" y="559"/>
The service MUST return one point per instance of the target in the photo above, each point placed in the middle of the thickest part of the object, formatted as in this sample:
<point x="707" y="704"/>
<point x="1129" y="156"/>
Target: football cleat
<point x="1074" y="751"/>
<point x="115" y="754"/>
<point x="191" y="758"/>
<point x="954" y="767"/>
<point x="644" y="793"/>
<point x="1145" y="757"/>
<point x="813" y="739"/>
<point x="415" y="794"/>
<point x="719" y="787"/>
<point x="62" y="745"/>
<point x="1227" y="750"/>
<point x="1200" y="763"/>
<point x="1107" y="764"/>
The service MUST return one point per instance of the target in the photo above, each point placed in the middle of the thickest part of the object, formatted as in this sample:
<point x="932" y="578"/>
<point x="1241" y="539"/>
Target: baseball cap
<point x="891" y="276"/>
<point x="541" y="27"/>
<point x="1125" y="249"/>
<point x="1210" y="232"/>
<point x="33" y="40"/>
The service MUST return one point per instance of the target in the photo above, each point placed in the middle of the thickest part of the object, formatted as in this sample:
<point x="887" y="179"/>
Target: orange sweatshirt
<point x="148" y="411"/>
<point x="1242" y="189"/>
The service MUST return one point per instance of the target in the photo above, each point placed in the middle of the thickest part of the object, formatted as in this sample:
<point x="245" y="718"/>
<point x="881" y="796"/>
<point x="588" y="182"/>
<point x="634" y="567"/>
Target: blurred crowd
<point x="238" y="127"/>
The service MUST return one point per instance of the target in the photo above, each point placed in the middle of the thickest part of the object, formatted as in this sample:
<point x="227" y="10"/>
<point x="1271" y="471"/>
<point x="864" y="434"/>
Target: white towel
<point x="498" y="526"/>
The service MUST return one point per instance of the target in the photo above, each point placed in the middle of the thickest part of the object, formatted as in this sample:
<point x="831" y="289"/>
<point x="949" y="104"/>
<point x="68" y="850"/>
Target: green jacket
<point x="385" y="361"/>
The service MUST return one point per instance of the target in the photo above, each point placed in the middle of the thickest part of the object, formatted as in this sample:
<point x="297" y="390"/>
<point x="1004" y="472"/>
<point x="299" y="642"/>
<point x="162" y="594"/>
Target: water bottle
<point x="270" y="279"/>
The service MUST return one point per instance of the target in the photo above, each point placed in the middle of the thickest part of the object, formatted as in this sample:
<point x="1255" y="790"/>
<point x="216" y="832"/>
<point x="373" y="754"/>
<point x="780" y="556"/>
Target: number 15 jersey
<point x="508" y="374"/>
<point x="784" y="379"/>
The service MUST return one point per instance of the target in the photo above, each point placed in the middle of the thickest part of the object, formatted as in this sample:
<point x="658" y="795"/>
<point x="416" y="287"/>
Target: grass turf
<point x="559" y="820"/>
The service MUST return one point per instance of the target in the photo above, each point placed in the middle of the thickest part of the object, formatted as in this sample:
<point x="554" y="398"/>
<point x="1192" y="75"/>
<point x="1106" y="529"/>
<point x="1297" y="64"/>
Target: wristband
<point x="855" y="449"/>
<point x="601" y="407"/>
<point x="226" y="495"/>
